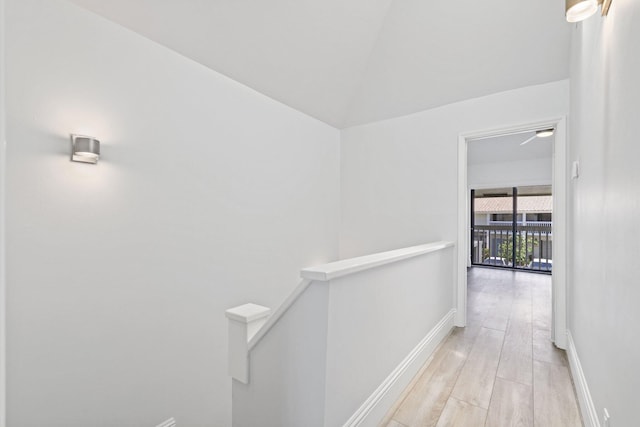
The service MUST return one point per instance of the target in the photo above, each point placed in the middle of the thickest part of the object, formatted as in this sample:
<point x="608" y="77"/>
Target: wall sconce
<point x="84" y="149"/>
<point x="579" y="10"/>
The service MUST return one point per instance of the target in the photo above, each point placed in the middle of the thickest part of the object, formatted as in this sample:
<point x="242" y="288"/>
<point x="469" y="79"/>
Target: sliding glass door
<point x="511" y="228"/>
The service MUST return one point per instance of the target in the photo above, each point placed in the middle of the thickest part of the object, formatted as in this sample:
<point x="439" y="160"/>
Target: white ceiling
<point x="349" y="62"/>
<point x="507" y="148"/>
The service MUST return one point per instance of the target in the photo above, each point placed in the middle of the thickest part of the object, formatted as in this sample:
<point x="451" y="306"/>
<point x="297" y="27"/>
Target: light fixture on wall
<point x="84" y="149"/>
<point x="579" y="10"/>
<point x="542" y="133"/>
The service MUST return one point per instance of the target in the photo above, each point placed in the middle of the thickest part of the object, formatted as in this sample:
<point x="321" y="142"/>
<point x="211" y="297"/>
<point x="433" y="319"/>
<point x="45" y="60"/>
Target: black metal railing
<point x="494" y="245"/>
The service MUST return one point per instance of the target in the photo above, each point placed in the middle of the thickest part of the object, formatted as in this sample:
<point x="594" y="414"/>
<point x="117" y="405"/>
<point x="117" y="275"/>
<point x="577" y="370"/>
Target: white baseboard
<point x="376" y="406"/>
<point x="587" y="408"/>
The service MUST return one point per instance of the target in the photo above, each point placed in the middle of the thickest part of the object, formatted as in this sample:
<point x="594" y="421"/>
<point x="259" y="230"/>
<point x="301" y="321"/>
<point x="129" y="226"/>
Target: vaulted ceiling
<point x="350" y="62"/>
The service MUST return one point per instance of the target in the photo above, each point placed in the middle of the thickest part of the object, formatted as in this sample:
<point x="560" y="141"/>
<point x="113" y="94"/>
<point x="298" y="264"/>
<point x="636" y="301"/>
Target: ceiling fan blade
<point x="529" y="140"/>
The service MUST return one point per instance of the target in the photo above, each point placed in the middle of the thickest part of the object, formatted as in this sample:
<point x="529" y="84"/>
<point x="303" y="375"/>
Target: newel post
<point x="244" y="321"/>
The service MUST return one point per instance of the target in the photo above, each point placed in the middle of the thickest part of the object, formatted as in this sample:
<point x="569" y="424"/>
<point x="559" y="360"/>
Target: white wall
<point x="503" y="161"/>
<point x="605" y="201"/>
<point x="399" y="176"/>
<point x="208" y="195"/>
<point x="376" y="318"/>
<point x="287" y="373"/>
<point x="513" y="173"/>
<point x="339" y="342"/>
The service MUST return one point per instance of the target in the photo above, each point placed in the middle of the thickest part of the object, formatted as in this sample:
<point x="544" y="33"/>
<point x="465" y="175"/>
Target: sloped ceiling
<point x="350" y="62"/>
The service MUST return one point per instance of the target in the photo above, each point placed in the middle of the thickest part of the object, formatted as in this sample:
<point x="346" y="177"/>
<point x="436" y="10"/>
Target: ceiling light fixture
<point x="579" y="10"/>
<point x="84" y="149"/>
<point x="542" y="133"/>
<point x="545" y="133"/>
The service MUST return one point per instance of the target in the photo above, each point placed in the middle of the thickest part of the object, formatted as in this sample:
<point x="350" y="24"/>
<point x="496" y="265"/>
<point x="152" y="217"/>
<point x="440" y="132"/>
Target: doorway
<point x="559" y="226"/>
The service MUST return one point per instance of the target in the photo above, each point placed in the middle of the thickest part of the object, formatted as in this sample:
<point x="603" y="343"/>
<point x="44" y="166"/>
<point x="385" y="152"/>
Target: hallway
<point x="502" y="369"/>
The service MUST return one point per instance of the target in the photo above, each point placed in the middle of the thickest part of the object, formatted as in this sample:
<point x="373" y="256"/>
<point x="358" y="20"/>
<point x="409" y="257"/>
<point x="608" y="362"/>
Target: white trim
<point x="293" y="296"/>
<point x="326" y="272"/>
<point x="460" y="295"/>
<point x="333" y="270"/>
<point x="529" y="183"/>
<point x="248" y="313"/>
<point x="587" y="408"/>
<point x="375" y="407"/>
<point x="559" y="220"/>
<point x="244" y="322"/>
<point x="3" y="293"/>
<point x="559" y="230"/>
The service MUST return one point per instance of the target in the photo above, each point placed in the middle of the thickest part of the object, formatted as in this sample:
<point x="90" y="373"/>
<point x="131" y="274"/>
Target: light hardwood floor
<point x="502" y="369"/>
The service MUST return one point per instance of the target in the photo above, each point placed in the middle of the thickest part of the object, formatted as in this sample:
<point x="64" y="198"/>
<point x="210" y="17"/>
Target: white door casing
<point x="559" y="275"/>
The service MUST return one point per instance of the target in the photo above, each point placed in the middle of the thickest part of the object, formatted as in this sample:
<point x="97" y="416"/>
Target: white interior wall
<point x="89" y="266"/>
<point x="504" y="161"/>
<point x="413" y="296"/>
<point x="399" y="176"/>
<point x="207" y="195"/>
<point x="287" y="382"/>
<point x="604" y="205"/>
<point x="513" y="173"/>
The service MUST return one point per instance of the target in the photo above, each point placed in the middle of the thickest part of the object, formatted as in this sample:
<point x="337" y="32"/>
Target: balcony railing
<point x="493" y="246"/>
<point x="541" y="223"/>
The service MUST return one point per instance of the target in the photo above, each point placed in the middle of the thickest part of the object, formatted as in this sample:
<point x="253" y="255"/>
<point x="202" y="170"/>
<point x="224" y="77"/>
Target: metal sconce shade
<point x="578" y="10"/>
<point x="85" y="149"/>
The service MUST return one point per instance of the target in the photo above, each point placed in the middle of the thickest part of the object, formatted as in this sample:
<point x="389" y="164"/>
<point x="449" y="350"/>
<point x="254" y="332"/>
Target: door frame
<point x="3" y="304"/>
<point x="559" y="183"/>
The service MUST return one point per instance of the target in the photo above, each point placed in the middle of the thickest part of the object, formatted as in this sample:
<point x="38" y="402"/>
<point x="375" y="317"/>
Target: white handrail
<point x="321" y="335"/>
<point x="341" y="268"/>
<point x="337" y="269"/>
<point x="273" y="319"/>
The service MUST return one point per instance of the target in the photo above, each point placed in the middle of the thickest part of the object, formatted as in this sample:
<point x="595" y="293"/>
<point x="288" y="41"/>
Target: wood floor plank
<point x="497" y="316"/>
<point x="521" y="310"/>
<point x="409" y="391"/>
<point x="545" y="351"/>
<point x="516" y="366"/>
<point x="475" y="382"/>
<point x="519" y="335"/>
<point x="554" y="400"/>
<point x="541" y="320"/>
<point x="522" y="290"/>
<point x="394" y="423"/>
<point x="462" y="414"/>
<point x="516" y="359"/>
<point x="511" y="405"/>
<point x="541" y="298"/>
<point x="511" y="378"/>
<point x="423" y="406"/>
